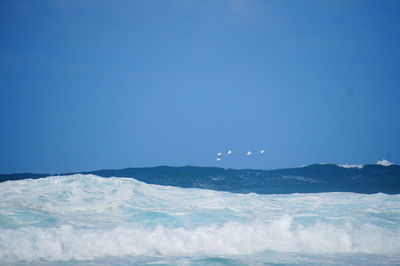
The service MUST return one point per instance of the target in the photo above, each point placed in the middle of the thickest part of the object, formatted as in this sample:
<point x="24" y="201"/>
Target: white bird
<point x="218" y="159"/>
<point x="219" y="154"/>
<point x="262" y="151"/>
<point x="229" y="152"/>
<point x="249" y="153"/>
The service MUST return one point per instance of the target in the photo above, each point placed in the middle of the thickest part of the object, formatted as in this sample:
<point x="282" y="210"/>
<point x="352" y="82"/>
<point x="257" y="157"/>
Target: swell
<point x="85" y="217"/>
<point x="314" y="178"/>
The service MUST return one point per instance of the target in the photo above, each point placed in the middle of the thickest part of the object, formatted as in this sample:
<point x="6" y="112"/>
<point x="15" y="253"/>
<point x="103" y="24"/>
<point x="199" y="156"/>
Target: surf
<point x="92" y="218"/>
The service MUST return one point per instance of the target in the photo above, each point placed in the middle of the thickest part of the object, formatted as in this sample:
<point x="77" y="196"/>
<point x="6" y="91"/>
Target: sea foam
<point x="85" y="217"/>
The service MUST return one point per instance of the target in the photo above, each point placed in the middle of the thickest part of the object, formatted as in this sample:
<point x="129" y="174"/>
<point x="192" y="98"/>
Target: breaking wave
<point x="85" y="217"/>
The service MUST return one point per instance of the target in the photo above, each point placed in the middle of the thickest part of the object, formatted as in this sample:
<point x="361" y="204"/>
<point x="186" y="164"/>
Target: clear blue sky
<point x="89" y="85"/>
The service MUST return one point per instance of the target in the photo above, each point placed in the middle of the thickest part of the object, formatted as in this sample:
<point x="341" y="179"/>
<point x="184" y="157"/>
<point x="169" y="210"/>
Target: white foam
<point x="93" y="217"/>
<point x="283" y="235"/>
<point x="305" y="165"/>
<point x="384" y="162"/>
<point x="359" y="166"/>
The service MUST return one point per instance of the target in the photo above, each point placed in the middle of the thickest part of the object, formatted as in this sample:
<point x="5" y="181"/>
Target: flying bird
<point x="249" y="153"/>
<point x="218" y="159"/>
<point x="219" y="154"/>
<point x="262" y="151"/>
<point x="229" y="152"/>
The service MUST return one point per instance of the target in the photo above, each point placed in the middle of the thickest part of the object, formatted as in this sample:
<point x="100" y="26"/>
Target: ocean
<point x="203" y="216"/>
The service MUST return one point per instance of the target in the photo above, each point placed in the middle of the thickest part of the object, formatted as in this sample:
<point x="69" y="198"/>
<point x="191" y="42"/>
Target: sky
<point x="88" y="85"/>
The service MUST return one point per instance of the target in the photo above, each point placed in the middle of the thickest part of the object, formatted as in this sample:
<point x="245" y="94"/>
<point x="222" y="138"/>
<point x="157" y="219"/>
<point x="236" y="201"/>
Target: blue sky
<point x="89" y="85"/>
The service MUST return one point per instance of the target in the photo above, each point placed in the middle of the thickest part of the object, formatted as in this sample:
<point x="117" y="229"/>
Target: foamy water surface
<point x="90" y="220"/>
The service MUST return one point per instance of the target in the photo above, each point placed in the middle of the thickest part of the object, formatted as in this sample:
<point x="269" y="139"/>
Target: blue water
<point x="91" y="220"/>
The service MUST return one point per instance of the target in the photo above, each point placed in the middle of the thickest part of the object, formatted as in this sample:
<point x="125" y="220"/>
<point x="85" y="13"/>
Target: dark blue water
<point x="309" y="179"/>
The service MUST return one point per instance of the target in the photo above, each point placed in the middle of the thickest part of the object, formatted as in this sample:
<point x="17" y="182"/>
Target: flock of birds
<point x="249" y="153"/>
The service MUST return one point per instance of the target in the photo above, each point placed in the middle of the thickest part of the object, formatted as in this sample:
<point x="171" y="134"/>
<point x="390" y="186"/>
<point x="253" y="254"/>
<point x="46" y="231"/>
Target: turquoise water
<point x="91" y="220"/>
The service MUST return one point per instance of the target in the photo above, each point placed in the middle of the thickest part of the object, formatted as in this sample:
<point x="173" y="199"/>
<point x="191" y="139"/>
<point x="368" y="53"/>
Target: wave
<point x="86" y="217"/>
<point x="314" y="178"/>
<point x="283" y="235"/>
<point x="359" y="166"/>
<point x="385" y="162"/>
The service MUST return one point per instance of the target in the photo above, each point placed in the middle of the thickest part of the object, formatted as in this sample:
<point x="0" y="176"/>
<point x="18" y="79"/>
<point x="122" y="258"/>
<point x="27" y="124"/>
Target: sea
<point x="321" y="214"/>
